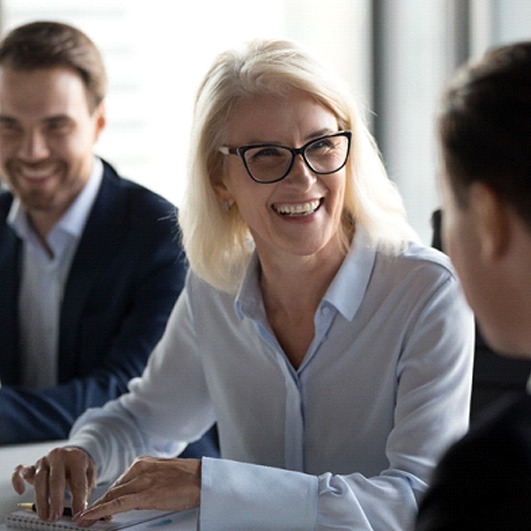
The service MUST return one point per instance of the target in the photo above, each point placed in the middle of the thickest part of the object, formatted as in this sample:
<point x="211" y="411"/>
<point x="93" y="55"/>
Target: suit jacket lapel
<point x="10" y="247"/>
<point x="99" y="242"/>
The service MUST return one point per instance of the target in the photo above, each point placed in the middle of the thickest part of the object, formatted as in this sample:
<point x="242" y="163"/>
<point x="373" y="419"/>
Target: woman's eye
<point x="321" y="145"/>
<point x="265" y="152"/>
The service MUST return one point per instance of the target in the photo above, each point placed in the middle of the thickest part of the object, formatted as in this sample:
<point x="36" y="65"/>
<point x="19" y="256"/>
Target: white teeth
<point x="300" y="209"/>
<point x="34" y="173"/>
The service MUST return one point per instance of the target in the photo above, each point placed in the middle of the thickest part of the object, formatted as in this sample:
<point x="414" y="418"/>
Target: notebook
<point x="24" y="519"/>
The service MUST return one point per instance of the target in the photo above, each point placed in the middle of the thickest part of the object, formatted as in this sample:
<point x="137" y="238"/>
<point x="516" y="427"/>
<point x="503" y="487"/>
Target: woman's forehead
<point x="275" y="115"/>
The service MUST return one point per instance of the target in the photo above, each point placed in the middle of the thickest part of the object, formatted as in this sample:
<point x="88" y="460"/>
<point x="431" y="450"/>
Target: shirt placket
<point x="294" y="448"/>
<point x="294" y="420"/>
<point x="295" y="403"/>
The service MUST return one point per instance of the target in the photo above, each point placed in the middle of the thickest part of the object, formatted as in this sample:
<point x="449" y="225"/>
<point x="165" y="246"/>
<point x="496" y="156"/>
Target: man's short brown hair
<point x="52" y="44"/>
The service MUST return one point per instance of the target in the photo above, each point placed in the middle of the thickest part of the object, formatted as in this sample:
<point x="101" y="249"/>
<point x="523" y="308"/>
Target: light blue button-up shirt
<point x="346" y="441"/>
<point x="43" y="279"/>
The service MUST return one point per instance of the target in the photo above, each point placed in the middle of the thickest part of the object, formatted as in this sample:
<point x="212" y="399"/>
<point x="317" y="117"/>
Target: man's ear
<point x="491" y="216"/>
<point x="100" y="116"/>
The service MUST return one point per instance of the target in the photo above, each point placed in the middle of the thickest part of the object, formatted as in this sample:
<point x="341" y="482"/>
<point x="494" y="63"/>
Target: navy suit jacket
<point x="126" y="274"/>
<point x="484" y="480"/>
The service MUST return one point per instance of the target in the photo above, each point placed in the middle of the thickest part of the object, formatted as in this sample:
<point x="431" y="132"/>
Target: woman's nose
<point x="300" y="172"/>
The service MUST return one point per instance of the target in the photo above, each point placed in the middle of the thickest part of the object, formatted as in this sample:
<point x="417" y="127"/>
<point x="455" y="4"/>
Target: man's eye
<point x="8" y="126"/>
<point x="56" y="125"/>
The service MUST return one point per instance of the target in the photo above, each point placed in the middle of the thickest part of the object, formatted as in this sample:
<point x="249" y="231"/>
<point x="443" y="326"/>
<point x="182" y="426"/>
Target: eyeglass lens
<point x="268" y="163"/>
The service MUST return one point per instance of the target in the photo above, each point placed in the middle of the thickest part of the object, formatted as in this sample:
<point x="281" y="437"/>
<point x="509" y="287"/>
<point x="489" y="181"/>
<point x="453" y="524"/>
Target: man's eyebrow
<point x="53" y="118"/>
<point x="57" y="118"/>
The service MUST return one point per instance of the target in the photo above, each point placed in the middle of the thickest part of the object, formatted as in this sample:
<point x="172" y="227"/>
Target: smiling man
<point x="89" y="263"/>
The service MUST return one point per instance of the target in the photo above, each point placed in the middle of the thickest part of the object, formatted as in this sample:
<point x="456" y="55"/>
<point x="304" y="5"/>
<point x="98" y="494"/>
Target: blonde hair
<point x="218" y="242"/>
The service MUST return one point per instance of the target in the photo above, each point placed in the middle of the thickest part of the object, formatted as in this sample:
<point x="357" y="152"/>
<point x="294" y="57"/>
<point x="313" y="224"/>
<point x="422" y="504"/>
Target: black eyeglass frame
<point x="241" y="150"/>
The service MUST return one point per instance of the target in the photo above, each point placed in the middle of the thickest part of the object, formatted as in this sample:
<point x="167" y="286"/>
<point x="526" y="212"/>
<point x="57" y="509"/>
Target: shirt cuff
<point x="238" y="495"/>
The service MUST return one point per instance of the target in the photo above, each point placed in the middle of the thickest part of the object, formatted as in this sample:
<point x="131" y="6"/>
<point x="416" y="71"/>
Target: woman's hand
<point x="60" y="470"/>
<point x="150" y="483"/>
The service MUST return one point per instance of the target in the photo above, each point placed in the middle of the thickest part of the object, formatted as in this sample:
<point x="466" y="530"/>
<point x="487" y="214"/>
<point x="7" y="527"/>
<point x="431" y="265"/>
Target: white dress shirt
<point x="347" y="441"/>
<point x="43" y="278"/>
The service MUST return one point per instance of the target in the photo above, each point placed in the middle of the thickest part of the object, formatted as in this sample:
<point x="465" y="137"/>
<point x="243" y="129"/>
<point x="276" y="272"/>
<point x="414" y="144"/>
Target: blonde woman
<point x="332" y="350"/>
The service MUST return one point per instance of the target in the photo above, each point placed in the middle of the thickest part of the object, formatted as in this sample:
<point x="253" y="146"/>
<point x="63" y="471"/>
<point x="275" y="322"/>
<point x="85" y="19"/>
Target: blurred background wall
<point x="396" y="55"/>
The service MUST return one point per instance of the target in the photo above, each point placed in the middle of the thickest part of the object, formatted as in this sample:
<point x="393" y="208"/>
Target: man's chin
<point x="37" y="202"/>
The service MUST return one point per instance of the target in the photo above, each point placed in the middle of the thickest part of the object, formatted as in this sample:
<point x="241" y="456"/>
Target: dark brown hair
<point x="53" y="44"/>
<point x="485" y="127"/>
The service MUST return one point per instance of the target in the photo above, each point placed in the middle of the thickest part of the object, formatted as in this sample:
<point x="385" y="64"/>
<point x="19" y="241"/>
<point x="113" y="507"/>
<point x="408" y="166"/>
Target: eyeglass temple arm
<point x="228" y="150"/>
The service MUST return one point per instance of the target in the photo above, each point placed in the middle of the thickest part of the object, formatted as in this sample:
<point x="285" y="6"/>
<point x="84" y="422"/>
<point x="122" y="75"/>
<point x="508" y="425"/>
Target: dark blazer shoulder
<point x="116" y="184"/>
<point x="128" y="206"/>
<point x="6" y="200"/>
<point x="506" y="425"/>
<point x="484" y="480"/>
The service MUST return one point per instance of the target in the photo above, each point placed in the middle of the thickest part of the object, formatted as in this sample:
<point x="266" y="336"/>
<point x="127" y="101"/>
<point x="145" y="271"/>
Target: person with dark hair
<point x="90" y="263"/>
<point x="484" y="480"/>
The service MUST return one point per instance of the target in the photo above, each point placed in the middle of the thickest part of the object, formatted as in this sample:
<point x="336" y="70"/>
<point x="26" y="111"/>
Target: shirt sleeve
<point x="165" y="409"/>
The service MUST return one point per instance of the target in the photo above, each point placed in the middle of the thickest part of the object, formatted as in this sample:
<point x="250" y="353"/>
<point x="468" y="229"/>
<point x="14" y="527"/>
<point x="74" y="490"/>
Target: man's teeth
<point x="31" y="173"/>
<point x="300" y="209"/>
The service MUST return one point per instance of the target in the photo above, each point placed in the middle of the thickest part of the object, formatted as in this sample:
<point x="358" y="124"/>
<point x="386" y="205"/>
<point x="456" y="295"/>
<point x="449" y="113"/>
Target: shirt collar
<point x="249" y="297"/>
<point x="74" y="219"/>
<point x="345" y="292"/>
<point x="348" y="287"/>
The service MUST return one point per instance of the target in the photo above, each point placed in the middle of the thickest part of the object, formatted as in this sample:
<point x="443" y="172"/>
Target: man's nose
<point x="33" y="146"/>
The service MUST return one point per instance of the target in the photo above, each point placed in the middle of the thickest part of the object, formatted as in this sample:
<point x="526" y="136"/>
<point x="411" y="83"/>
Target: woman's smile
<point x="297" y="209"/>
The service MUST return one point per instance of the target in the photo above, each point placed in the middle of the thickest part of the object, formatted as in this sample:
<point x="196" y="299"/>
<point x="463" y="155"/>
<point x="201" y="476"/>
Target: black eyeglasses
<point x="270" y="163"/>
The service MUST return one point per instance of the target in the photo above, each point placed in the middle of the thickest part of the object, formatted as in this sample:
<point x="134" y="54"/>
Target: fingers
<point x="120" y="497"/>
<point x="81" y="488"/>
<point x="21" y="475"/>
<point x="42" y="489"/>
<point x="106" y="507"/>
<point x="150" y="483"/>
<point x="73" y="468"/>
<point x="60" y="470"/>
<point x="51" y="484"/>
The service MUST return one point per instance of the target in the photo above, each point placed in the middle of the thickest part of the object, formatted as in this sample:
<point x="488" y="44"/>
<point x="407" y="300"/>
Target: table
<point x="13" y="455"/>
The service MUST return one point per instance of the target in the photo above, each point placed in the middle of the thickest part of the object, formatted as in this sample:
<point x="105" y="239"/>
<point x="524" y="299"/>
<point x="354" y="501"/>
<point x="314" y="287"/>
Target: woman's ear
<point x="492" y="218"/>
<point x="223" y="193"/>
